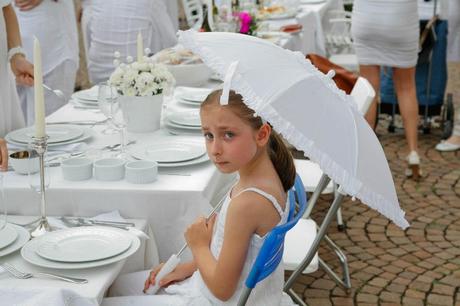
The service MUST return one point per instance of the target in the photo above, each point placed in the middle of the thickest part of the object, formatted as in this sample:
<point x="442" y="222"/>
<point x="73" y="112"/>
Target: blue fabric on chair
<point x="271" y="253"/>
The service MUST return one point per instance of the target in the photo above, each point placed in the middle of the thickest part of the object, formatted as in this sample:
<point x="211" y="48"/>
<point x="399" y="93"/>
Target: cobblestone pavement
<point x="388" y="266"/>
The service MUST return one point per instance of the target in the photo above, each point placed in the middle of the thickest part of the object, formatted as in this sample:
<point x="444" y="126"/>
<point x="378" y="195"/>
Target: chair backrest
<point x="271" y="252"/>
<point x="193" y="10"/>
<point x="363" y="93"/>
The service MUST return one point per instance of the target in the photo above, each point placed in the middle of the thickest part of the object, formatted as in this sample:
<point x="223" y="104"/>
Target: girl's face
<point x="230" y="142"/>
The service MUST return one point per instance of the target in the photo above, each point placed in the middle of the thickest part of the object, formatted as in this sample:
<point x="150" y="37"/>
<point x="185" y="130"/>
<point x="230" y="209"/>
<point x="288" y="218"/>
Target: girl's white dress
<point x="386" y="32"/>
<point x="11" y="117"/>
<point x="193" y="291"/>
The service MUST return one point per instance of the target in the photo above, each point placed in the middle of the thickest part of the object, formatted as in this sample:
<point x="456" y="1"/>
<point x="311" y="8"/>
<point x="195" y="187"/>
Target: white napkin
<point x="110" y="216"/>
<point x="42" y="296"/>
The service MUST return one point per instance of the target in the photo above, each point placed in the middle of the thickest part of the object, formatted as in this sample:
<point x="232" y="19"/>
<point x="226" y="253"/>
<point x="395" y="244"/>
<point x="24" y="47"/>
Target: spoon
<point x="57" y="92"/>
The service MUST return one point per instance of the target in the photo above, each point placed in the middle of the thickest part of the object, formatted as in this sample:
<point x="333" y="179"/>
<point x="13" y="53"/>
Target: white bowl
<point x="77" y="169"/>
<point x="109" y="169"/>
<point x="23" y="164"/>
<point x="190" y="74"/>
<point x="141" y="171"/>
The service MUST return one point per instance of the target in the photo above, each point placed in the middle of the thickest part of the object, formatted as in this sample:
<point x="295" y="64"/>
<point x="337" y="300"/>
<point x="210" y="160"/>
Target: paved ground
<point x="388" y="266"/>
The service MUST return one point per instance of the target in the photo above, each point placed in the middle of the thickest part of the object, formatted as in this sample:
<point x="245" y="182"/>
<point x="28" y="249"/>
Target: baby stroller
<point x="431" y="79"/>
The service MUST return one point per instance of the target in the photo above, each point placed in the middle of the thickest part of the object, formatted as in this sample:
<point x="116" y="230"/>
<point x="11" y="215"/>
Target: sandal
<point x="413" y="170"/>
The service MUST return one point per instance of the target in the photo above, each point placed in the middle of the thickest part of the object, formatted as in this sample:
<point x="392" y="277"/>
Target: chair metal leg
<point x="244" y="296"/>
<point x="296" y="298"/>
<point x="324" y="180"/>
<point x="315" y="246"/>
<point x="345" y="281"/>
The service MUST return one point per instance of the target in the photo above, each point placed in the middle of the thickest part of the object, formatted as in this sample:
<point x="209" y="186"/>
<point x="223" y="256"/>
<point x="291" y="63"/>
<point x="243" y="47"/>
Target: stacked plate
<point x="184" y="122"/>
<point x="86" y="98"/>
<point x="191" y="96"/>
<point x="12" y="238"/>
<point x="80" y="248"/>
<point x="58" y="134"/>
<point x="170" y="152"/>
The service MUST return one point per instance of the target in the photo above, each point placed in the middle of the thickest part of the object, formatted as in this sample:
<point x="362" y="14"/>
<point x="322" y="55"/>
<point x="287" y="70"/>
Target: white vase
<point x="142" y="114"/>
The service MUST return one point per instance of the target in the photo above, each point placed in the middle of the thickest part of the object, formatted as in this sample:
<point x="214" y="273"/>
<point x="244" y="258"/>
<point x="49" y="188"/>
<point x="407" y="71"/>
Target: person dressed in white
<point x="12" y="59"/>
<point x="111" y="26"/>
<point x="54" y="23"/>
<point x="225" y="249"/>
<point x="386" y="33"/>
<point x="453" y="58"/>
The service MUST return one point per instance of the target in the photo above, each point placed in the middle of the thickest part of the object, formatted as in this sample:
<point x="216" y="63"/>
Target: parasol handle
<point x="168" y="267"/>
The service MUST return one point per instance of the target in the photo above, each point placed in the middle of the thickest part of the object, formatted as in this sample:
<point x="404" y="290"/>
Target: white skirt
<point x="386" y="32"/>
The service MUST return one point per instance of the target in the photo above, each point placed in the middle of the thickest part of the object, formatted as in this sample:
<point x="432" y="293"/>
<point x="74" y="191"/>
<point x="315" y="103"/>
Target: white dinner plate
<point x="90" y="94"/>
<point x="23" y="237"/>
<point x="196" y="161"/>
<point x="82" y="244"/>
<point x="7" y="235"/>
<point x="180" y="131"/>
<point x="311" y="1"/>
<point x="88" y="102"/>
<point x="165" y="152"/>
<point x="286" y="15"/>
<point x="57" y="133"/>
<point x="28" y="252"/>
<point x="87" y="133"/>
<point x="192" y="94"/>
<point x="180" y="126"/>
<point x="190" y="118"/>
<point x="77" y="104"/>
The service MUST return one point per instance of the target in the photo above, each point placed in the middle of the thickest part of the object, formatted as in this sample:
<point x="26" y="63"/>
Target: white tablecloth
<point x="169" y="204"/>
<point x="99" y="279"/>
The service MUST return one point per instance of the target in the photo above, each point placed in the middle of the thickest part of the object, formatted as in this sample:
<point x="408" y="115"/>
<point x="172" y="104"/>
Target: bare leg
<point x="372" y="74"/>
<point x="404" y="82"/>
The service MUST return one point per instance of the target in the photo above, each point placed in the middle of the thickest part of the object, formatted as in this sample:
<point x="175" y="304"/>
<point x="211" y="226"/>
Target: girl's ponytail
<point x="282" y="160"/>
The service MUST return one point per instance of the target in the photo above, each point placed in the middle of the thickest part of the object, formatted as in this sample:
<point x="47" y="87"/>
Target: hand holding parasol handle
<point x="174" y="260"/>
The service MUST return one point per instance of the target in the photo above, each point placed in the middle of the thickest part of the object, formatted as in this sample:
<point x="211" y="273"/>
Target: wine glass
<point x="120" y="121"/>
<point x="4" y="208"/>
<point x="107" y="95"/>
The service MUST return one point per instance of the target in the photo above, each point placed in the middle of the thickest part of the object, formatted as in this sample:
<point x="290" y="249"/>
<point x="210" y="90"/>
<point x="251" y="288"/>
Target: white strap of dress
<point x="269" y="197"/>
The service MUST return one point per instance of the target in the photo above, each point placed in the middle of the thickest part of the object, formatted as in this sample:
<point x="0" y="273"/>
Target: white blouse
<point x="4" y="2"/>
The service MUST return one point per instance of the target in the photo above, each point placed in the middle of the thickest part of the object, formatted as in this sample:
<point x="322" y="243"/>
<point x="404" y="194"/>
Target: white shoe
<point x="445" y="146"/>
<point x="413" y="170"/>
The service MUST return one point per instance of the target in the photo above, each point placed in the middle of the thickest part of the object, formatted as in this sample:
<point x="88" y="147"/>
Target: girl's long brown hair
<point x="279" y="154"/>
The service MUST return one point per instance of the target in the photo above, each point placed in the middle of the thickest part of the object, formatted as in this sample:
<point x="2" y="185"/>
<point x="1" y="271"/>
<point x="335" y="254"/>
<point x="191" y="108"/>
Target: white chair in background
<point x="302" y="241"/>
<point x="193" y="10"/>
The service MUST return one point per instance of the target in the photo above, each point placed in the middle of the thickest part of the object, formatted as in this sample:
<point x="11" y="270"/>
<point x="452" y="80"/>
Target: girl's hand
<point x="23" y="70"/>
<point x="26" y="5"/>
<point x="3" y="155"/>
<point x="199" y="234"/>
<point x="181" y="272"/>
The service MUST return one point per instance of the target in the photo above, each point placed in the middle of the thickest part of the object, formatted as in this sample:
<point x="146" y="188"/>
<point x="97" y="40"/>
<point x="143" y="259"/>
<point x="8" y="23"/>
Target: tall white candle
<point x="140" y="47"/>
<point x="38" y="91"/>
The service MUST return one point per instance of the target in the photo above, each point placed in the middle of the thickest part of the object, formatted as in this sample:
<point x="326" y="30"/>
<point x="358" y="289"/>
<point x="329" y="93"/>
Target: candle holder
<point x="40" y="145"/>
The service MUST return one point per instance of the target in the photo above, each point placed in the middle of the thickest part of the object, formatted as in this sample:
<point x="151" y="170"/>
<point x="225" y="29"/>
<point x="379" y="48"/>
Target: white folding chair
<point x="302" y="242"/>
<point x="193" y="10"/>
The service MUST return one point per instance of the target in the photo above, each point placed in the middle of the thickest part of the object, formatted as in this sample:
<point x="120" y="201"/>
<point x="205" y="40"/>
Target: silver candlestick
<point x="40" y="145"/>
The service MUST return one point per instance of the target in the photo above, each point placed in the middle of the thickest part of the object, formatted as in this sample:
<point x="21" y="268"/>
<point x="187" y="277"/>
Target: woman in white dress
<point x="112" y="25"/>
<point x="12" y="59"/>
<point x="54" y="23"/>
<point x="386" y="33"/>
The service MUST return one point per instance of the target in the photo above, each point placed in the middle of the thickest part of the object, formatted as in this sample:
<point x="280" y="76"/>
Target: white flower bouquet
<point x="144" y="78"/>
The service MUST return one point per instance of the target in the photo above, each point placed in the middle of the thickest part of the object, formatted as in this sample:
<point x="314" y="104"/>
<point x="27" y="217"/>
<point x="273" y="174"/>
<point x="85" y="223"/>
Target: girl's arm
<point x="181" y="272"/>
<point x="22" y="69"/>
<point x="221" y="276"/>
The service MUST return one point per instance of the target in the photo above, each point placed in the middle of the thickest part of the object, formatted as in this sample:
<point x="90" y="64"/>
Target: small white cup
<point x="77" y="169"/>
<point x="109" y="169"/>
<point x="141" y="171"/>
<point x="23" y="164"/>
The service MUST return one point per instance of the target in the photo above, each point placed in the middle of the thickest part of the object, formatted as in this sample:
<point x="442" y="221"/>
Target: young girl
<point x="224" y="248"/>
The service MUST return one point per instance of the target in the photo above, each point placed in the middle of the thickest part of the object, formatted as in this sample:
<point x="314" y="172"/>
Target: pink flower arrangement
<point x="246" y="22"/>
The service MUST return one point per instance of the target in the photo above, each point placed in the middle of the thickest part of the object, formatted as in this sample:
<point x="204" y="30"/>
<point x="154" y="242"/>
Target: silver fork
<point x="22" y="275"/>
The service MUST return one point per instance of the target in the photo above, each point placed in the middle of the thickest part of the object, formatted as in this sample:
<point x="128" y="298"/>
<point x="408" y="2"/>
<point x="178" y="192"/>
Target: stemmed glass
<point x="107" y="96"/>
<point x="3" y="206"/>
<point x="119" y="120"/>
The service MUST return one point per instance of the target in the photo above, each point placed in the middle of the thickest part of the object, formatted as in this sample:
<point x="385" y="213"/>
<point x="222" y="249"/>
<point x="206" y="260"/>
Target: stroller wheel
<point x="448" y="117"/>
<point x="426" y="129"/>
<point x="391" y="128"/>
